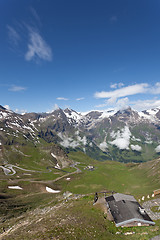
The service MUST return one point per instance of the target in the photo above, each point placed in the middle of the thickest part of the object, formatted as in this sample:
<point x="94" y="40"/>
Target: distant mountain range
<point x="126" y="135"/>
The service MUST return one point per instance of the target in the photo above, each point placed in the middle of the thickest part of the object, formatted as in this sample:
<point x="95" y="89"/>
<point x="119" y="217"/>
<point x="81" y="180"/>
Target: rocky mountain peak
<point x="2" y="108"/>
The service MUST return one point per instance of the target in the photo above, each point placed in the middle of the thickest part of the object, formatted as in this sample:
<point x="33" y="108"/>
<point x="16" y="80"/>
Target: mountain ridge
<point x="123" y="135"/>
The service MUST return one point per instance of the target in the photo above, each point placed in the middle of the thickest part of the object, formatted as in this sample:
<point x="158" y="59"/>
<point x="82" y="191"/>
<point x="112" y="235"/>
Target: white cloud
<point x="136" y="148"/>
<point x="122" y="103"/>
<point x="70" y="142"/>
<point x="155" y="89"/>
<point x="62" y="98"/>
<point x="157" y="149"/>
<point x="101" y="105"/>
<point x="111" y="101"/>
<point x="55" y="107"/>
<point x="14" y="37"/>
<point x="79" y="99"/>
<point x="116" y="85"/>
<point x="37" y="47"/>
<point x="20" y="111"/>
<point x="103" y="146"/>
<point x="113" y="85"/>
<point x="16" y="88"/>
<point x="123" y="92"/>
<point x="122" y="140"/>
<point x="145" y="104"/>
<point x="67" y="141"/>
<point x="143" y="88"/>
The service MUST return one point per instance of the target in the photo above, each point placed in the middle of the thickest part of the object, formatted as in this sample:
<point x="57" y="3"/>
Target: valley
<point x="51" y="165"/>
<point x="33" y="212"/>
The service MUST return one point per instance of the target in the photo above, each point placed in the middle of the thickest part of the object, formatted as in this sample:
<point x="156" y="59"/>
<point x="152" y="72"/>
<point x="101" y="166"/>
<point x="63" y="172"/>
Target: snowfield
<point x="50" y="190"/>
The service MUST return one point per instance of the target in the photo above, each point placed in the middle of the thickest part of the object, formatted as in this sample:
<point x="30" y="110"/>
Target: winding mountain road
<point x="9" y="170"/>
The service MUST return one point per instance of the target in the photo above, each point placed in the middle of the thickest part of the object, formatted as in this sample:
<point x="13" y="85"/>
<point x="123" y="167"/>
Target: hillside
<point x="34" y="213"/>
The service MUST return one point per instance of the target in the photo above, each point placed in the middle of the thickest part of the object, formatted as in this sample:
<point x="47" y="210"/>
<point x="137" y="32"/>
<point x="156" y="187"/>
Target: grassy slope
<point x="76" y="219"/>
<point x="113" y="176"/>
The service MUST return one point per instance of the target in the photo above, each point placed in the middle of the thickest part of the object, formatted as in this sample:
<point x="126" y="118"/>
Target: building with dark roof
<point x="126" y="211"/>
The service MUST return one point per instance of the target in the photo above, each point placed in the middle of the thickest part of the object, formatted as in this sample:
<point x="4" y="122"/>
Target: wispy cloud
<point x="140" y="105"/>
<point x="79" y="99"/>
<point x="31" y="38"/>
<point x="14" y="37"/>
<point x="155" y="89"/>
<point x="37" y="47"/>
<point x="122" y="103"/>
<point x="62" y="98"/>
<point x="20" y="111"/>
<point x="35" y="15"/>
<point x="55" y="107"/>
<point x="122" y="92"/>
<point x="17" y="88"/>
<point x="119" y="98"/>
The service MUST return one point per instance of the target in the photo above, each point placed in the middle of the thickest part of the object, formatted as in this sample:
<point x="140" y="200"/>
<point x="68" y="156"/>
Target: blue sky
<point x="83" y="55"/>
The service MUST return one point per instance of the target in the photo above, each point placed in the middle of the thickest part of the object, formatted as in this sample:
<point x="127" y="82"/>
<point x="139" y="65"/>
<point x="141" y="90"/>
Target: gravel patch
<point x="148" y="205"/>
<point x="155" y="238"/>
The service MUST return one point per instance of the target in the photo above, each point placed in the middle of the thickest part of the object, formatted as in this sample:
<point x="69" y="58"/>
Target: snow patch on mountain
<point x="82" y="140"/>
<point x="146" y="116"/>
<point x="157" y="149"/>
<point x="3" y="114"/>
<point x="108" y="113"/>
<point x="136" y="139"/>
<point x="52" y="154"/>
<point x="152" y="111"/>
<point x="50" y="190"/>
<point x="72" y="114"/>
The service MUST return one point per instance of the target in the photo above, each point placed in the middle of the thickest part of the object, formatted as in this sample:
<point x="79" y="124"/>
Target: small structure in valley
<point x="89" y="167"/>
<point x="126" y="211"/>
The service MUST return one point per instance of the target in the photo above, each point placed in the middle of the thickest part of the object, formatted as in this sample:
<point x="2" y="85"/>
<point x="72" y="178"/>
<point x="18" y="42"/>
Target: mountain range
<point x="123" y="135"/>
